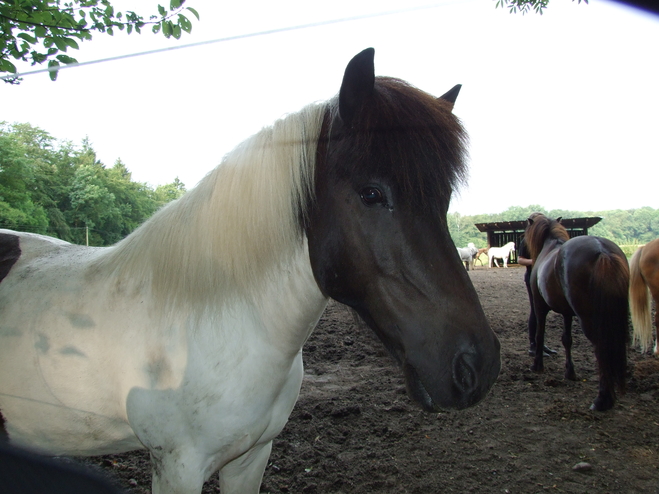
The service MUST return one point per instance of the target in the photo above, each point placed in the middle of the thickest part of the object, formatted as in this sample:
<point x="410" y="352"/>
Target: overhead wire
<point x="230" y="38"/>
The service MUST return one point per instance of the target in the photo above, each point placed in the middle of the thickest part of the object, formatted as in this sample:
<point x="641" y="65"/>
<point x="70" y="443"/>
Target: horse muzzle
<point x="456" y="382"/>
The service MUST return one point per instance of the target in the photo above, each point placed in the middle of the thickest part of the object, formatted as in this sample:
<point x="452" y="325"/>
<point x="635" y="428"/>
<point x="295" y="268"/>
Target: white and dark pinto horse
<point x="468" y="254"/>
<point x="186" y="337"/>
<point x="502" y="253"/>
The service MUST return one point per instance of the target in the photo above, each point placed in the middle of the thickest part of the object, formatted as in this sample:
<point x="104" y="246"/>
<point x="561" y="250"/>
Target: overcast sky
<point x="562" y="109"/>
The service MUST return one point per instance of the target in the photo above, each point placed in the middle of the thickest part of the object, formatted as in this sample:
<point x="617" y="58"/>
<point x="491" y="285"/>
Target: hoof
<point x="602" y="405"/>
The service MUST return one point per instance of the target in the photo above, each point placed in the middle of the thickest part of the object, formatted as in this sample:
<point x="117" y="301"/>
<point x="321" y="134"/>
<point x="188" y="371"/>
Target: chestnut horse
<point x="586" y="277"/>
<point x="186" y="337"/>
<point x="644" y="281"/>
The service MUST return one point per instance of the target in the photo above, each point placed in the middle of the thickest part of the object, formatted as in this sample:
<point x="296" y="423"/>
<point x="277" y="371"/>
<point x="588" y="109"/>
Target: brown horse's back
<point x="592" y="266"/>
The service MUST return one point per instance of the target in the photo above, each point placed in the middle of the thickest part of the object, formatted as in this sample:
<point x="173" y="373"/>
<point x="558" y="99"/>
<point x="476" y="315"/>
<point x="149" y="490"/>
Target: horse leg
<point x="244" y="474"/>
<point x="567" y="344"/>
<point x="606" y="396"/>
<point x="541" y="318"/>
<point x="656" y="326"/>
<point x="176" y="471"/>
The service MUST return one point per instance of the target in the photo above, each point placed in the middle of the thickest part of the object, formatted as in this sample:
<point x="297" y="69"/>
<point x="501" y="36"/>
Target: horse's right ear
<point x="559" y="219"/>
<point x="451" y="95"/>
<point x="358" y="83"/>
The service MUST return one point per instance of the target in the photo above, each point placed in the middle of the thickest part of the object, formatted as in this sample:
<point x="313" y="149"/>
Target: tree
<point x="56" y="188"/>
<point x="17" y="209"/>
<point x="39" y="31"/>
<point x="169" y="192"/>
<point x="525" y="6"/>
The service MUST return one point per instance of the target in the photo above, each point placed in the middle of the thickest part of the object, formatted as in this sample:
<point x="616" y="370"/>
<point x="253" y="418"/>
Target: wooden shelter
<point x="502" y="232"/>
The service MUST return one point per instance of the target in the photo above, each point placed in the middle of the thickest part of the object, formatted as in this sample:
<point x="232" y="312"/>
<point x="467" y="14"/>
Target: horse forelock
<point x="409" y="137"/>
<point x="541" y="229"/>
<point x="227" y="234"/>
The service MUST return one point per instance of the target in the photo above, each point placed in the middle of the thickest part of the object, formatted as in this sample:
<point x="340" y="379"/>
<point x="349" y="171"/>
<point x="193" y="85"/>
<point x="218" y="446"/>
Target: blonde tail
<point x="639" y="304"/>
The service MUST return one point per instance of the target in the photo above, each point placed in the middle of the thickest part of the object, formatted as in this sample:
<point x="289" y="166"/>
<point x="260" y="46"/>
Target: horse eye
<point x="371" y="196"/>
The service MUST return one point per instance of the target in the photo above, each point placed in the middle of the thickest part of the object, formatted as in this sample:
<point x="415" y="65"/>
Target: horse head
<point x="540" y="229"/>
<point x="388" y="160"/>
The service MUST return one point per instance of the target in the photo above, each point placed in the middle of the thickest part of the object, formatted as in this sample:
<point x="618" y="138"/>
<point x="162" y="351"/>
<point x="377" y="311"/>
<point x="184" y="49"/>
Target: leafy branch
<point x="39" y="31"/>
<point x="524" y="6"/>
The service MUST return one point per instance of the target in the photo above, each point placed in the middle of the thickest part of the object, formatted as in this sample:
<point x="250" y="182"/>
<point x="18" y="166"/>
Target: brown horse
<point x="587" y="277"/>
<point x="644" y="278"/>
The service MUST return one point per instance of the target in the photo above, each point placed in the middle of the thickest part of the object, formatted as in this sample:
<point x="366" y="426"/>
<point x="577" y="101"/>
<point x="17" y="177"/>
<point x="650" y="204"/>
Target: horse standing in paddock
<point x="477" y="257"/>
<point x="587" y="277"/>
<point x="468" y="254"/>
<point x="186" y="337"/>
<point x="644" y="281"/>
<point x="502" y="253"/>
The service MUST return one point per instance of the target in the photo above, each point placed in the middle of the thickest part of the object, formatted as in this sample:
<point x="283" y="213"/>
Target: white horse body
<point x="467" y="254"/>
<point x="167" y="373"/>
<point x="168" y="339"/>
<point x="500" y="253"/>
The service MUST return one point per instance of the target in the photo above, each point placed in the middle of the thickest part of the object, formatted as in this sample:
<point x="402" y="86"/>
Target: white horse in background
<point x="501" y="253"/>
<point x="468" y="254"/>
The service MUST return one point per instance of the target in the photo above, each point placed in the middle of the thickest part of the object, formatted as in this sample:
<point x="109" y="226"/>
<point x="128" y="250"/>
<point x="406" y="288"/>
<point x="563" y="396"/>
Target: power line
<point x="232" y="38"/>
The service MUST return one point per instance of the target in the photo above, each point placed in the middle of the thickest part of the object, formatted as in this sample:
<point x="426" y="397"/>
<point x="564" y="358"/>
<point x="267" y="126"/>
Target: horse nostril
<point x="465" y="376"/>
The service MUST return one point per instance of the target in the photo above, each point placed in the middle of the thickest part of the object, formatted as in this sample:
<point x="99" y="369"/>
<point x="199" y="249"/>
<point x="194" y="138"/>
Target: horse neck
<point x="238" y="228"/>
<point x="551" y="244"/>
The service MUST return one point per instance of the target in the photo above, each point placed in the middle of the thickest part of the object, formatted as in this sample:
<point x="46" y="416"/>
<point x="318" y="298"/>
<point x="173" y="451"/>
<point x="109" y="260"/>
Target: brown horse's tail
<point x="609" y="289"/>
<point x="639" y="303"/>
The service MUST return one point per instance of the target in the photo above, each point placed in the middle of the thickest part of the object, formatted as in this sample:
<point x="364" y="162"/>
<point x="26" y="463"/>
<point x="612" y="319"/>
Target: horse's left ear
<point x="358" y="83"/>
<point x="451" y="95"/>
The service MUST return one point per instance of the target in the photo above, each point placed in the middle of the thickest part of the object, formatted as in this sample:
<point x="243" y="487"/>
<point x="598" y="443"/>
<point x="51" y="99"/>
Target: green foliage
<point x="61" y="190"/>
<point x="627" y="228"/>
<point x="65" y="191"/>
<point x="524" y="6"/>
<point x="39" y="31"/>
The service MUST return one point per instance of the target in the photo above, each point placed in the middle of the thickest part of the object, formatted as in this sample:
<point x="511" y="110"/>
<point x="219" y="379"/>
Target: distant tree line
<point x="624" y="227"/>
<point x="62" y="190"/>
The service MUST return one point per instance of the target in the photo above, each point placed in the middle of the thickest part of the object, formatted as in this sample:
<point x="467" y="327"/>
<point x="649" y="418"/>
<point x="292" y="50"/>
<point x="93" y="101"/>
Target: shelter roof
<point x="569" y="223"/>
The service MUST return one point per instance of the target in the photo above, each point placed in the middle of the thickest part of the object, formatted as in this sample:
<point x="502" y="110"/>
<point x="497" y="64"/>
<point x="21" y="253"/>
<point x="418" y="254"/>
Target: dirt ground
<point x="354" y="430"/>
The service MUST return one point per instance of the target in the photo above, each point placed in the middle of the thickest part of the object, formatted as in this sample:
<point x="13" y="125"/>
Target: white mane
<point x="227" y="234"/>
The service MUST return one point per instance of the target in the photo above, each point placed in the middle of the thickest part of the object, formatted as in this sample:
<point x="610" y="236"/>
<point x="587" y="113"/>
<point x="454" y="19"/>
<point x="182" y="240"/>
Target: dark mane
<point x="539" y="229"/>
<point x="407" y="136"/>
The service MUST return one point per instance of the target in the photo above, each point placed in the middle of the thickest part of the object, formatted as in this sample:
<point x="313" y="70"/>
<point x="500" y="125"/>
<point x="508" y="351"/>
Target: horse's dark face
<point x="379" y="242"/>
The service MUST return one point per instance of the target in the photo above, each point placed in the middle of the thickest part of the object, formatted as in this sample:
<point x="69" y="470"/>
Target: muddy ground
<point x="354" y="430"/>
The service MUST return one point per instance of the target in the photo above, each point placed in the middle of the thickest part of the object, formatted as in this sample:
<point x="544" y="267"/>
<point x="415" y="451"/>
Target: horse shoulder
<point x="225" y="390"/>
<point x="548" y="279"/>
